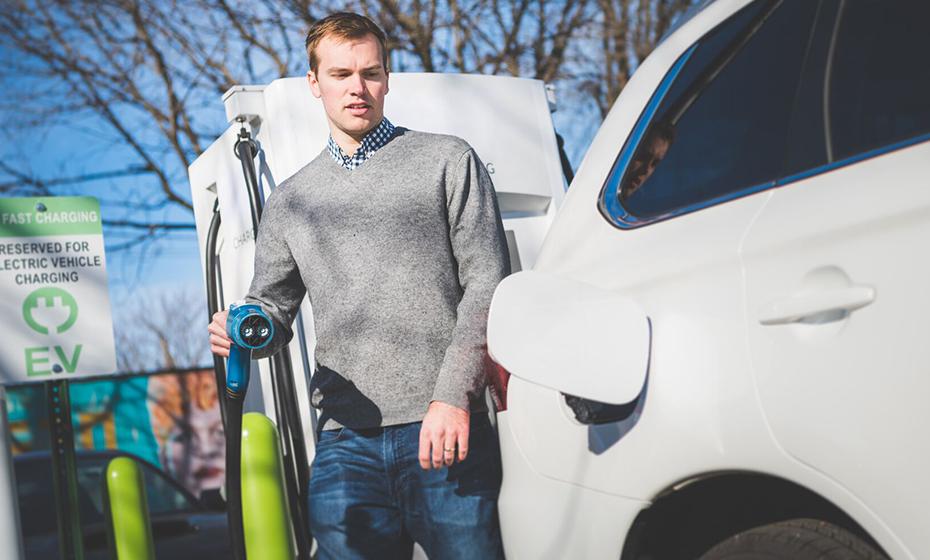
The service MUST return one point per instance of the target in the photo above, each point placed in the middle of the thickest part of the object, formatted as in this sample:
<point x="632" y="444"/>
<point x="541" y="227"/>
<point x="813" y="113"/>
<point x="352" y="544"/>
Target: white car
<point x="721" y="351"/>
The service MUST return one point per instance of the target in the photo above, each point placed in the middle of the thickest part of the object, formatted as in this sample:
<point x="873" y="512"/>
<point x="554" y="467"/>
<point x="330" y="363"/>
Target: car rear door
<point x="837" y="271"/>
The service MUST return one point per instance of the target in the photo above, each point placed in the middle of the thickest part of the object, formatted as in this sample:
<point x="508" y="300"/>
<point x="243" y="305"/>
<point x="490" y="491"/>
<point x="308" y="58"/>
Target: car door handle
<point x="797" y="308"/>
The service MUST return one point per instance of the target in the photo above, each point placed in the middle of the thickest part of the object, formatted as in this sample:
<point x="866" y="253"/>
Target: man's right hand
<point x="219" y="341"/>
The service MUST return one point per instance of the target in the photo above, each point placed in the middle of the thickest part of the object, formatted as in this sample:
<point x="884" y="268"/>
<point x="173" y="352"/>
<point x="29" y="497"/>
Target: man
<point x="649" y="155"/>
<point x="397" y="238"/>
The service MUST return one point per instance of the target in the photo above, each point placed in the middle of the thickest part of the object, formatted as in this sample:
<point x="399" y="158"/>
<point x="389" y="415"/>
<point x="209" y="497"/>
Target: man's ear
<point x="314" y="84"/>
<point x="387" y="82"/>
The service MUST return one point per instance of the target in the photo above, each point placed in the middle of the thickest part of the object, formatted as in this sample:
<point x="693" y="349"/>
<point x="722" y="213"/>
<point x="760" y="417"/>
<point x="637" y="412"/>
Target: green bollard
<point x="128" y="509"/>
<point x="266" y="519"/>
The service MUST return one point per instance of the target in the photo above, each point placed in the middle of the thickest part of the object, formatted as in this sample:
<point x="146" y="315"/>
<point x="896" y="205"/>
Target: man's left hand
<point x="445" y="427"/>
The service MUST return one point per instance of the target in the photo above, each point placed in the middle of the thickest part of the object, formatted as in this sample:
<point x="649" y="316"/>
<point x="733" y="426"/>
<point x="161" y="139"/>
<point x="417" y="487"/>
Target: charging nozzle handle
<point x="237" y="382"/>
<point x="249" y="328"/>
<point x="234" y="475"/>
<point x="237" y="374"/>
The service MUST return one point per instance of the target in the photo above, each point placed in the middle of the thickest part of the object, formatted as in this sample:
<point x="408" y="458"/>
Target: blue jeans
<point x="369" y="497"/>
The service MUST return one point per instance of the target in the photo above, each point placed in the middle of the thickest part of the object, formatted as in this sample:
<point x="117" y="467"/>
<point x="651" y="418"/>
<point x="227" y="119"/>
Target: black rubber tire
<point x="796" y="539"/>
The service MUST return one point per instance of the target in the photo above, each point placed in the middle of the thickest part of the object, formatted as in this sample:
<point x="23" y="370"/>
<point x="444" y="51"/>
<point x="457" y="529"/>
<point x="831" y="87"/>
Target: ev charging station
<point x="277" y="129"/>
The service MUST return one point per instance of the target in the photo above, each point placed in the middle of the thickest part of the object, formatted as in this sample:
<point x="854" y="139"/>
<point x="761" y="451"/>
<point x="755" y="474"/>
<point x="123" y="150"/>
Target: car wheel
<point x="796" y="539"/>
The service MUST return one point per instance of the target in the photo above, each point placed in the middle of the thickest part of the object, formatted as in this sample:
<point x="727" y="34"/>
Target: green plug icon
<point x="50" y="309"/>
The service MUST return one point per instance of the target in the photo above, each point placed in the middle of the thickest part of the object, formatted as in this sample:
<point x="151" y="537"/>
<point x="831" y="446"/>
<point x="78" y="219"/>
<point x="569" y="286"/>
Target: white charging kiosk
<point x="506" y="120"/>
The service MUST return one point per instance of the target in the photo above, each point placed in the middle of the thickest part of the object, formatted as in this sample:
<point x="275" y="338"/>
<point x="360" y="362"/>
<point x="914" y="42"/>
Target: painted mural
<point x="170" y="419"/>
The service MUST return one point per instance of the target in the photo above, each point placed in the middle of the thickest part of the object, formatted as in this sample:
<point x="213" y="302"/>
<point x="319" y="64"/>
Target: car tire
<point x="796" y="539"/>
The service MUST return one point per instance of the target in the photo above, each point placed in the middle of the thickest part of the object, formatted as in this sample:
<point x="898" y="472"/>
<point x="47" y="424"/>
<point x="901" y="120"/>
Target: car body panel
<point x="715" y="398"/>
<point x="845" y="392"/>
<point x="577" y="329"/>
<point x="593" y="529"/>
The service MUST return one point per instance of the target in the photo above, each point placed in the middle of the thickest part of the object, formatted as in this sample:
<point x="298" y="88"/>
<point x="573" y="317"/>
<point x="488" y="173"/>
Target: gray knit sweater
<point x="400" y="257"/>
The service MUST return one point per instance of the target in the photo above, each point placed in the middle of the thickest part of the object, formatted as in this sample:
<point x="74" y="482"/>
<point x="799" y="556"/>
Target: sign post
<point x="53" y="284"/>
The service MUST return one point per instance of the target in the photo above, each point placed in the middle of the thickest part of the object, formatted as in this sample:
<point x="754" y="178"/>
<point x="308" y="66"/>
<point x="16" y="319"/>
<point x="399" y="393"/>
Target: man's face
<point x="643" y="165"/>
<point x="352" y="82"/>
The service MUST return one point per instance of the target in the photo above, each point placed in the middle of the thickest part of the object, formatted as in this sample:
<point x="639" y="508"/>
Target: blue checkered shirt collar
<point x="371" y="143"/>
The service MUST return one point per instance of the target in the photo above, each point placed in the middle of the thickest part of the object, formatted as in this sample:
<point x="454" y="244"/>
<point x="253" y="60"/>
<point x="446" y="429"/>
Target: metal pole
<point x="245" y="150"/>
<point x="64" y="473"/>
<point x="10" y="533"/>
<point x="213" y="303"/>
<point x="296" y="472"/>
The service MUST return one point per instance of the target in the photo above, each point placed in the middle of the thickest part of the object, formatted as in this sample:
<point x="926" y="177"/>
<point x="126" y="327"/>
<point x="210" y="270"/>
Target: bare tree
<point x="550" y="41"/>
<point x="526" y="38"/>
<point x="136" y="82"/>
<point x="628" y="31"/>
<point x="163" y="331"/>
<point x="145" y="77"/>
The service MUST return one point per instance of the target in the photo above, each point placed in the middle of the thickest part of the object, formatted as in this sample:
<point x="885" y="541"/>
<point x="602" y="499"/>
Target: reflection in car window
<point x="649" y="155"/>
<point x="879" y="79"/>
<point x="724" y="124"/>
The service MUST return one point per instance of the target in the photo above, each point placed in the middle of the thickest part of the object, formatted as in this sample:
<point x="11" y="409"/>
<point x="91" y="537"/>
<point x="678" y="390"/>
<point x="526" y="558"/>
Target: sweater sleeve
<point x="276" y="284"/>
<point x="480" y="249"/>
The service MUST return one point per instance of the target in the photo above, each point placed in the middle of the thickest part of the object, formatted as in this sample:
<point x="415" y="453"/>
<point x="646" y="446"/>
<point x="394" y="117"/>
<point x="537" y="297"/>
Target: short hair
<point x="343" y="26"/>
<point x="663" y="130"/>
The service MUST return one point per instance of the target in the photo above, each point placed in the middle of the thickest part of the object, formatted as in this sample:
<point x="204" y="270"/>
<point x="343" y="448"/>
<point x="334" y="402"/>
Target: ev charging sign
<point x="53" y="282"/>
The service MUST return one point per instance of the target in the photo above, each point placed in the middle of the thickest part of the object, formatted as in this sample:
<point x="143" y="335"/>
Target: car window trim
<point x="707" y="77"/>
<point x="609" y="203"/>
<point x="853" y="159"/>
<point x="781" y="182"/>
<point x="613" y="211"/>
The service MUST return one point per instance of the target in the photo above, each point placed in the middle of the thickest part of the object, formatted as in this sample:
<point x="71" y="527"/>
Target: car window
<point x="724" y="123"/>
<point x="879" y="79"/>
